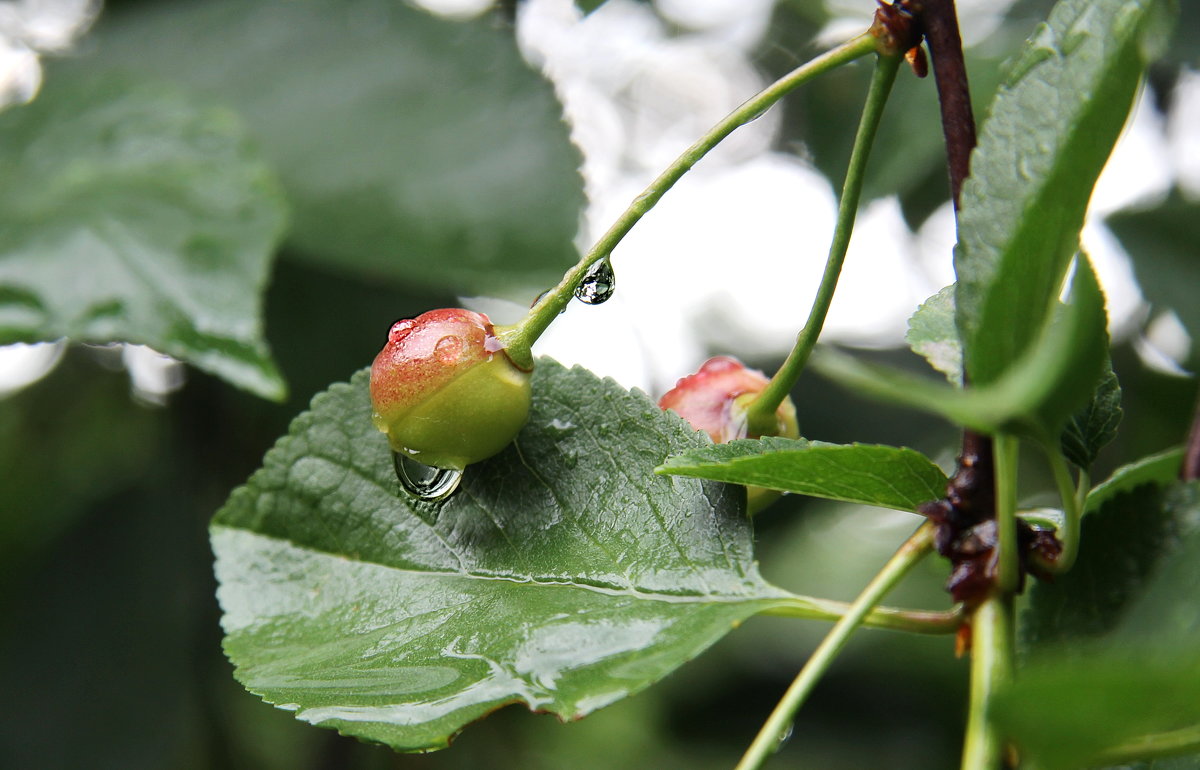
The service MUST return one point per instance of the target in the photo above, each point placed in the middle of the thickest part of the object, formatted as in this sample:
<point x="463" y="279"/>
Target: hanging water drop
<point x="598" y="284"/>
<point x="425" y="481"/>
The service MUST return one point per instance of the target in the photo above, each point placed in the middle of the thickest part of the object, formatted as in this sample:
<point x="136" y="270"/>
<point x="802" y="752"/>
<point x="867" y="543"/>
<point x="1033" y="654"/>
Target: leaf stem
<point x="519" y="338"/>
<point x="1183" y="741"/>
<point x="760" y="414"/>
<point x="917" y="546"/>
<point x="991" y="668"/>
<point x="1008" y="565"/>
<point x="1073" y="495"/>
<point x="892" y="618"/>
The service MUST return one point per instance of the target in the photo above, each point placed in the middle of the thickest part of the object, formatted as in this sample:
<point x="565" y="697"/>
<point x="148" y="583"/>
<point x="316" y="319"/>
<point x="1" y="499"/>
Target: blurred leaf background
<point x="422" y="160"/>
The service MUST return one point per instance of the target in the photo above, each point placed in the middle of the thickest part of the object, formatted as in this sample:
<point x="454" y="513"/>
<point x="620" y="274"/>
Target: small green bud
<point x="445" y="391"/>
<point x="715" y="400"/>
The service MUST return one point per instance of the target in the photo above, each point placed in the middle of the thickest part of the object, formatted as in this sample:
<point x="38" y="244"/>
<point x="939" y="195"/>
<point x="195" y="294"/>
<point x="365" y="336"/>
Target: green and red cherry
<point x="447" y="394"/>
<point x="445" y="391"/>
<point x="716" y="399"/>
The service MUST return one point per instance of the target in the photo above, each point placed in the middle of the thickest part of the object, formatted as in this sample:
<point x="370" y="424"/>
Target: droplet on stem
<point x="598" y="284"/>
<point x="424" y="481"/>
<point x="782" y="739"/>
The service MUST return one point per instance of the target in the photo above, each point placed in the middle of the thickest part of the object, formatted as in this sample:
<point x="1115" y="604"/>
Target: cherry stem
<point x="760" y="414"/>
<point x="519" y="338"/>
<point x="918" y="545"/>
<point x="1073" y="495"/>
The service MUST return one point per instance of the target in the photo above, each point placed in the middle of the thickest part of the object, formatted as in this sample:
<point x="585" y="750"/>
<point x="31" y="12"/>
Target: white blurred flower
<point x="31" y="27"/>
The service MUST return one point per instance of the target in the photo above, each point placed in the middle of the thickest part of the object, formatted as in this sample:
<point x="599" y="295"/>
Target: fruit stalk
<point x="519" y="338"/>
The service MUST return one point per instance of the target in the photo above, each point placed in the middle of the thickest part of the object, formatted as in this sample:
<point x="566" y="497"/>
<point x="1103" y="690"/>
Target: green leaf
<point x="1125" y="694"/>
<point x="1158" y="469"/>
<point x="1066" y="713"/>
<point x="1132" y="535"/>
<point x="1037" y="394"/>
<point x="1161" y="242"/>
<point x="413" y="148"/>
<point x="563" y="574"/>
<point x="933" y="335"/>
<point x="1169" y="603"/>
<point x="1095" y="425"/>
<point x="889" y="477"/>
<point x="129" y="213"/>
<point x="1051" y="127"/>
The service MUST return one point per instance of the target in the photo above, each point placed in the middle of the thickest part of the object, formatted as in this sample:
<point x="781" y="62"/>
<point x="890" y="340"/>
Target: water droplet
<point x="448" y="349"/>
<point x="784" y="737"/>
<point x="425" y="481"/>
<point x="1042" y="45"/>
<point x="538" y="298"/>
<point x="598" y="284"/>
<point x="400" y="329"/>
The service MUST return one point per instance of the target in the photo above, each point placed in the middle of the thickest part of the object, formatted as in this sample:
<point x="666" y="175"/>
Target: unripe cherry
<point x="445" y="391"/>
<point x="715" y="400"/>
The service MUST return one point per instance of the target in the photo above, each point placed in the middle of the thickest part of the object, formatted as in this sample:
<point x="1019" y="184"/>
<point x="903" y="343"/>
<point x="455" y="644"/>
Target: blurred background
<point x="426" y="163"/>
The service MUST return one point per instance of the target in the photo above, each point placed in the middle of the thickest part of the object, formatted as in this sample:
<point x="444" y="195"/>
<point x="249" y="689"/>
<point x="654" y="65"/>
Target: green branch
<point x="761" y="412"/>
<point x="911" y="552"/>
<point x="991" y="668"/>
<point x="1008" y="567"/>
<point x="519" y="338"/>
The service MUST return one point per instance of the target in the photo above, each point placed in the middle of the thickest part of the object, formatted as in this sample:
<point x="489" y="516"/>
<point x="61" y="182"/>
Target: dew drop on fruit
<point x="448" y="349"/>
<point x="424" y="481"/>
<point x="598" y="283"/>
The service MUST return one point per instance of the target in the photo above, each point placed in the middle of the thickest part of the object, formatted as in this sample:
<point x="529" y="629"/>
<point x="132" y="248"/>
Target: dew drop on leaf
<point x="424" y="481"/>
<point x="598" y="283"/>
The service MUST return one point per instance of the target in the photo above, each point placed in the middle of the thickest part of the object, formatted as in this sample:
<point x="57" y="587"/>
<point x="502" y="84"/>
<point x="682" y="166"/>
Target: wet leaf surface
<point x="1050" y="129"/>
<point x="130" y="212"/>
<point x="562" y="574"/>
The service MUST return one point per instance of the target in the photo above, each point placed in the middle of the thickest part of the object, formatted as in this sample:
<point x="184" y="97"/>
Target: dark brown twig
<point x="966" y="516"/>
<point x="1190" y="470"/>
<point x="939" y="22"/>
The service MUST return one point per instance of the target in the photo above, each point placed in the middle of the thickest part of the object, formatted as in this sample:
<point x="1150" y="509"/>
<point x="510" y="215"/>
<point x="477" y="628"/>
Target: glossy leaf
<point x="1050" y="129"/>
<point x="414" y="148"/>
<point x="890" y="477"/>
<point x="563" y="573"/>
<point x="1157" y="469"/>
<point x="1161" y="242"/>
<point x="1095" y="425"/>
<point x="128" y="212"/>
<point x="1036" y="396"/>
<point x="933" y="335"/>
